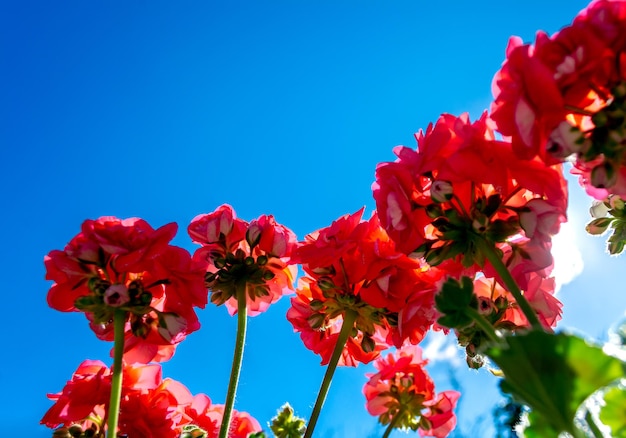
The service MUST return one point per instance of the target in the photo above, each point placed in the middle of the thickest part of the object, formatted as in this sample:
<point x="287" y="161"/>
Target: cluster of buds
<point x="237" y="255"/>
<point x="80" y="431"/>
<point x="609" y="214"/>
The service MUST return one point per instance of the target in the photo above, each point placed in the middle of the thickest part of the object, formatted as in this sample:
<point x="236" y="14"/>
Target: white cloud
<point x="439" y="347"/>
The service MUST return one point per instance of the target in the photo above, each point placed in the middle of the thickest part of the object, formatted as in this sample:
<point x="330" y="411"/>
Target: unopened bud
<point x="599" y="119"/>
<point x="248" y="261"/>
<point x="616" y="202"/>
<point x="75" y="430"/>
<point x="598" y="209"/>
<point x="619" y="91"/>
<point x="480" y="223"/>
<point x="84" y="302"/>
<point x="441" y="191"/>
<point x="316" y="320"/>
<point x="603" y="175"/>
<point x="98" y="285"/>
<point x="268" y="275"/>
<point x="367" y="344"/>
<point x="116" y="295"/>
<point x="566" y="140"/>
<point x="145" y="298"/>
<point x="433" y="211"/>
<point x="316" y="305"/>
<point x="598" y="226"/>
<point x="261" y="260"/>
<point x="325" y="283"/>
<point x="253" y="235"/>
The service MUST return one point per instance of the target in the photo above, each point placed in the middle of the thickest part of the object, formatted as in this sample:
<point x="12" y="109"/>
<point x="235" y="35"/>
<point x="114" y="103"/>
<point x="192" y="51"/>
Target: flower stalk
<point x="349" y="317"/>
<point x="488" y="251"/>
<point x="394" y="422"/>
<point x="119" y="320"/>
<point x="242" y="322"/>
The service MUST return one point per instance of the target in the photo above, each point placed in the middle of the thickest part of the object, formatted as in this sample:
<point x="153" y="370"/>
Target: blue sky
<point x="165" y="110"/>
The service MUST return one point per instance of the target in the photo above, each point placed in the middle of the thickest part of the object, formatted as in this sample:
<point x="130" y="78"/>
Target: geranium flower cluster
<point x="464" y="194"/>
<point x="125" y="265"/>
<point x="150" y="407"/>
<point x="353" y="266"/>
<point x="565" y="95"/>
<point x="403" y="395"/>
<point x="253" y="256"/>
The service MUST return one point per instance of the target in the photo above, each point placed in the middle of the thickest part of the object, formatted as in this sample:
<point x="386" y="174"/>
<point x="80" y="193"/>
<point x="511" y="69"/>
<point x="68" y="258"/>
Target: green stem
<point x="488" y="251"/>
<point x="484" y="325"/>
<point x="242" y="320"/>
<point x="119" y="320"/>
<point x="346" y="328"/>
<point x="393" y="423"/>
<point x="593" y="427"/>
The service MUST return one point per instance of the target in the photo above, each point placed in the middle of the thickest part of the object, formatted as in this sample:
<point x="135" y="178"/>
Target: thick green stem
<point x="393" y="423"/>
<point x="119" y="320"/>
<point x="488" y="251"/>
<point x="242" y="321"/>
<point x="484" y="325"/>
<point x="346" y="328"/>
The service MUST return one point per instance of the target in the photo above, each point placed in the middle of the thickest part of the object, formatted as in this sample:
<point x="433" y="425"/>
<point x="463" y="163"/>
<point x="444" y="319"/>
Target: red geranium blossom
<point x="150" y="405"/>
<point x="401" y="387"/>
<point x="115" y="264"/>
<point x="352" y="265"/>
<point x="565" y="96"/>
<point x="234" y="251"/>
<point x="462" y="183"/>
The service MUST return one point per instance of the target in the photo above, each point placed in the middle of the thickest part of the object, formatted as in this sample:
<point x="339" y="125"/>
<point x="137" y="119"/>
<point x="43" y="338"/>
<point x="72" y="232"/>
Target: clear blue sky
<point x="165" y="110"/>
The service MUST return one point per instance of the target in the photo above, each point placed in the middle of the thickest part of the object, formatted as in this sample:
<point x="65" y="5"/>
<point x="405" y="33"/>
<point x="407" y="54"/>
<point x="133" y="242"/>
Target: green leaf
<point x="613" y="414"/>
<point x="553" y="373"/>
<point x="453" y="300"/>
<point x="538" y="427"/>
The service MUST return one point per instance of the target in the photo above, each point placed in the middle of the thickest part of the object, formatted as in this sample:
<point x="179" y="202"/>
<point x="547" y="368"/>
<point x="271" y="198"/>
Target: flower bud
<point x="616" y="203"/>
<point x="566" y="140"/>
<point x="599" y="225"/>
<point x="367" y="344"/>
<point x="598" y="209"/>
<point x="219" y="262"/>
<point x="116" y="295"/>
<point x="604" y="175"/>
<point x="316" y="305"/>
<point x="171" y="326"/>
<point x="261" y="260"/>
<point x="253" y="235"/>
<point x="316" y="321"/>
<point x="441" y="191"/>
<point x="619" y="91"/>
<point x="480" y="223"/>
<point x="325" y="283"/>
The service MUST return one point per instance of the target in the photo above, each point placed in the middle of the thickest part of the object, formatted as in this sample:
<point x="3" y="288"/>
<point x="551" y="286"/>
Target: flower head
<point x="403" y="393"/>
<point x="115" y="264"/>
<point x="235" y="253"/>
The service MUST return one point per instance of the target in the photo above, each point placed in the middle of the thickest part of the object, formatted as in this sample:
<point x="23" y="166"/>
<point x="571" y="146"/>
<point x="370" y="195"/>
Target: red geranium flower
<point x="401" y="388"/>
<point x="116" y="264"/>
